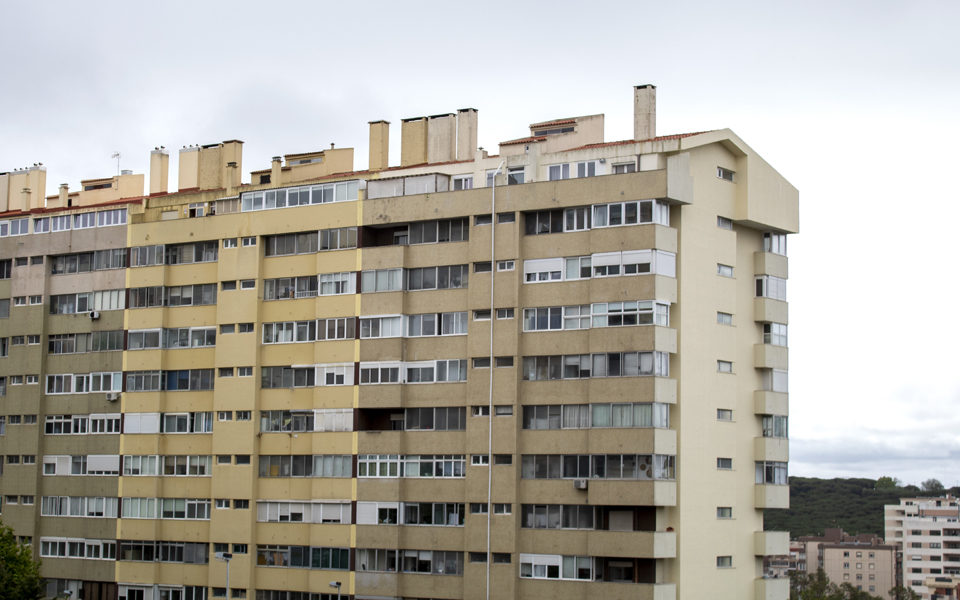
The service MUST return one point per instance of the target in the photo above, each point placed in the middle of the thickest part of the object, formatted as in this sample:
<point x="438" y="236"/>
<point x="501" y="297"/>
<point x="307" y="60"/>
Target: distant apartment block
<point x="927" y="533"/>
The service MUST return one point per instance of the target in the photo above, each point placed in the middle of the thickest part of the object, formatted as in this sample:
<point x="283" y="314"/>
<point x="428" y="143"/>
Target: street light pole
<point x="225" y="557"/>
<point x="336" y="584"/>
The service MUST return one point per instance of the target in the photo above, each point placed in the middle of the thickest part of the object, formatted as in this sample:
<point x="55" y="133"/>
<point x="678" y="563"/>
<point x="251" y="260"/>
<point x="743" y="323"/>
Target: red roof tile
<point x="526" y="140"/>
<point x="553" y="123"/>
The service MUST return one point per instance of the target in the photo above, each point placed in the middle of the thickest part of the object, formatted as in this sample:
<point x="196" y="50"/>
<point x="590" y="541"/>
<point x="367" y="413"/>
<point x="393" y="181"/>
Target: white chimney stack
<point x="644" y="112"/>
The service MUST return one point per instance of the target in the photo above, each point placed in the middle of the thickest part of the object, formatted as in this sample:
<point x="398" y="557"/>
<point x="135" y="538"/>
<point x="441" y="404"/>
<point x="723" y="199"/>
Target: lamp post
<point x="336" y="584"/>
<point x="225" y="557"/>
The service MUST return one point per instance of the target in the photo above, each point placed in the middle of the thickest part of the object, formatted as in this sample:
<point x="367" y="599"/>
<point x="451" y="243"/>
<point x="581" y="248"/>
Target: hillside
<point x="852" y="504"/>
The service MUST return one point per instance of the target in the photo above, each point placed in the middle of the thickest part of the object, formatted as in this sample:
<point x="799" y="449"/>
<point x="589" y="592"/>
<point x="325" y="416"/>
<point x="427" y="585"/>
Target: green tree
<point x="19" y="575"/>
<point x="888" y="483"/>
<point x="902" y="593"/>
<point x="932" y="485"/>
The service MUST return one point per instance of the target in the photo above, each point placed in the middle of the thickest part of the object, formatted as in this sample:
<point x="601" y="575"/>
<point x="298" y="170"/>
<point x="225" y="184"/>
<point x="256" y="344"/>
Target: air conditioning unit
<point x="579" y="484"/>
<point x="113" y="396"/>
<point x="94" y="315"/>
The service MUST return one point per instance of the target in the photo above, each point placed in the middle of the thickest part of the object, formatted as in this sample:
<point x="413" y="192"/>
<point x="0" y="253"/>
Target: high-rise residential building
<point x="927" y="533"/>
<point x="864" y="560"/>
<point x="560" y="371"/>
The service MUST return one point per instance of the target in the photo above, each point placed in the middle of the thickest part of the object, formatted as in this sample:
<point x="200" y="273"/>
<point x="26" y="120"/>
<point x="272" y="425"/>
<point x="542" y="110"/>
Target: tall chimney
<point x="275" y="170"/>
<point x="25" y="200"/>
<point x="231" y="183"/>
<point x="64" y="193"/>
<point x="441" y="138"/>
<point x="413" y="141"/>
<point x="644" y="112"/>
<point x="189" y="168"/>
<point x="379" y="145"/>
<point x="466" y="134"/>
<point x="159" y="171"/>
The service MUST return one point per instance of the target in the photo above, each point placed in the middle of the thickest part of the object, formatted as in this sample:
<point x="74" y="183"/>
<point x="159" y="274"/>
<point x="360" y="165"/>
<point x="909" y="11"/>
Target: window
<point x="480" y="411"/>
<point x="506" y="217"/>
<point x="624" y="168"/>
<point x="476" y="508"/>
<point x="117" y="216"/>
<point x="196" y="209"/>
<point x="481" y="315"/>
<point x="482" y="220"/>
<point x="5" y="308"/>
<point x="775" y="242"/>
<point x="503" y="459"/>
<point x="245" y="327"/>
<point x="587" y="169"/>
<point x="506" y="265"/>
<point x="544" y="221"/>
<point x="724" y="318"/>
<point x="725" y="174"/>
<point x="774" y="380"/>
<point x="775" y="334"/>
<point x="244" y="371"/>
<point x="775" y="426"/>
<point x="229" y="286"/>
<point x="724" y="366"/>
<point x="482" y="267"/>
<point x="389" y="280"/>
<point x="724" y="270"/>
<point x="558" y="172"/>
<point x="631" y="213"/>
<point x="546" y="566"/>
<point x="191" y="253"/>
<point x="480" y="460"/>
<point x="19" y="300"/>
<point x="598" y="466"/>
<point x="243" y="415"/>
<point x="436" y="278"/>
<point x="504" y="313"/>
<point x="462" y="182"/>
<point x="771" y="472"/>
<point x="769" y="286"/>
<point x="241" y="504"/>
<point x="35" y="300"/>
<point x="249" y="241"/>
<point x="503" y="411"/>
<point x="248" y="284"/>
<point x="504" y="361"/>
<point x="724" y="414"/>
<point x="481" y="363"/>
<point x="724" y="562"/>
<point x="230" y="243"/>
<point x="724" y="223"/>
<point x="515" y="176"/>
<point x="725" y="463"/>
<point x="724" y="512"/>
<point x="41" y="225"/>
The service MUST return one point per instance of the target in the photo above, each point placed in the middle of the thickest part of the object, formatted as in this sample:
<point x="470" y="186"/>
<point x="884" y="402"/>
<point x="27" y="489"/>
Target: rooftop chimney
<point x="231" y="183"/>
<point x="442" y="138"/>
<point x="379" y="145"/>
<point x="275" y="170"/>
<point x="64" y="193"/>
<point x="466" y="133"/>
<point x="189" y="168"/>
<point x="159" y="171"/>
<point x="413" y="141"/>
<point x="644" y="112"/>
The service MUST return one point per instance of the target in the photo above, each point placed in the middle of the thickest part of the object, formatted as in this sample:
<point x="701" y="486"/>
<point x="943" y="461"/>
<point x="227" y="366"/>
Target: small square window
<point x="224" y="459"/>
<point x="225" y="329"/>
<point x="482" y="267"/>
<point x="239" y="548"/>
<point x="724" y="512"/>
<point x="503" y="459"/>
<point x="248" y="284"/>
<point x="33" y="340"/>
<point x="29" y="419"/>
<point x="503" y="410"/>
<point x="19" y="300"/>
<point x="243" y="415"/>
<point x="478" y="557"/>
<point x="724" y="223"/>
<point x="246" y="327"/>
<point x="725" y="366"/>
<point x="33" y="379"/>
<point x="225" y="415"/>
<point x="480" y="411"/>
<point x="480" y="460"/>
<point x="228" y="286"/>
<point x="507" y="217"/>
<point x="28" y="500"/>
<point x="241" y="504"/>
<point x="226" y="371"/>
<point x="230" y="243"/>
<point x="724" y="414"/>
<point x="725" y="174"/>
<point x="16" y="380"/>
<point x="724" y="562"/>
<point x="250" y="241"/>
<point x="17" y="340"/>
<point x="725" y="463"/>
<point x="502" y="509"/>
<point x="35" y="300"/>
<point x="221" y="547"/>
<point x="36" y="260"/>
<point x="244" y="371"/>
<point x="21" y="262"/>
<point x="242" y="459"/>
<point x="481" y="315"/>
<point x="504" y="313"/>
<point x="222" y="503"/>
<point x="29" y="459"/>
<point x="504" y="361"/>
<point x="724" y="270"/>
<point x="724" y="318"/>
<point x="478" y="508"/>
<point x="483" y="220"/>
<point x="506" y="265"/>
<point x="481" y="363"/>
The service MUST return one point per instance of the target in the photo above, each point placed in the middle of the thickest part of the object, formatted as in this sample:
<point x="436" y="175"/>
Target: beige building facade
<point x="560" y="371"/>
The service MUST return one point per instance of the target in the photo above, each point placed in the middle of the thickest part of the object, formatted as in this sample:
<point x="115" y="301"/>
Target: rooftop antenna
<point x="116" y="155"/>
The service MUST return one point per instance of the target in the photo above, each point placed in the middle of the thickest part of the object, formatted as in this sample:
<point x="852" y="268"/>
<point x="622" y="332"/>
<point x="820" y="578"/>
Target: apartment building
<point x="466" y="376"/>
<point x="862" y="560"/>
<point x="927" y="534"/>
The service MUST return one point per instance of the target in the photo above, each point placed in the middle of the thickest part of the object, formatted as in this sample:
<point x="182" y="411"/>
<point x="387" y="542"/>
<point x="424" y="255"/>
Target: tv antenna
<point x="116" y="155"/>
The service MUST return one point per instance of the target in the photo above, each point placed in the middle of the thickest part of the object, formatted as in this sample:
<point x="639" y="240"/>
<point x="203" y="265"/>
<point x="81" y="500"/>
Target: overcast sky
<point x="856" y="103"/>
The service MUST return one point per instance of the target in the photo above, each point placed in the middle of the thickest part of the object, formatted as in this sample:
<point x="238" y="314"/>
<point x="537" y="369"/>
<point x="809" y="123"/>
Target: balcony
<point x="771" y="496"/>
<point x="769" y="356"/>
<point x="594" y="590"/>
<point x="770" y="448"/>
<point x="771" y="543"/>
<point x="771" y="589"/>
<point x="768" y="310"/>
<point x="770" y="403"/>
<point x="768" y="263"/>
